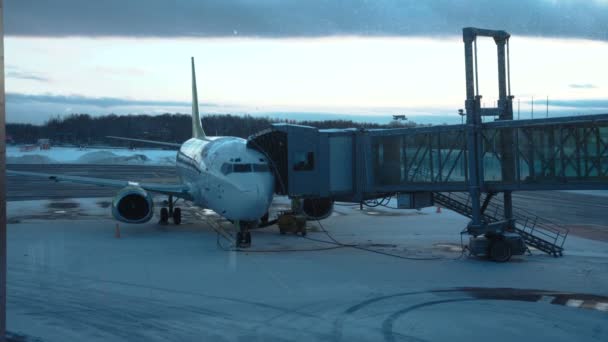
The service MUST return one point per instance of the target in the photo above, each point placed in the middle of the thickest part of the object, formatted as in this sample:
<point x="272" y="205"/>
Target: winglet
<point x="197" y="128"/>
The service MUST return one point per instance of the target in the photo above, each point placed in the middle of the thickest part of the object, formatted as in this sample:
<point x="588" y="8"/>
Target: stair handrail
<point x="542" y="229"/>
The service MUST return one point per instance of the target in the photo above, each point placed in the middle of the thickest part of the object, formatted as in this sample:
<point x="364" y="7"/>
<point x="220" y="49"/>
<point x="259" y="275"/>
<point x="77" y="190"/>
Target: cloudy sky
<point x="317" y="58"/>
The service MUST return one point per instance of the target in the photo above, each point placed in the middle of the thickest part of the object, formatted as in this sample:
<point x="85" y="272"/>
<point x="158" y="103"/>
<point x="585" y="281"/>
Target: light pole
<point x="2" y="185"/>
<point x="532" y="112"/>
<point x="462" y="115"/>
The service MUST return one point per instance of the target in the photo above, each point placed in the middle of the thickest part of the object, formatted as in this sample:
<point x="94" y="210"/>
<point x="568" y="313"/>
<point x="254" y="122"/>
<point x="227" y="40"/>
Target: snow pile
<point x="29" y="159"/>
<point x="69" y="155"/>
<point x="107" y="157"/>
<point x="167" y="160"/>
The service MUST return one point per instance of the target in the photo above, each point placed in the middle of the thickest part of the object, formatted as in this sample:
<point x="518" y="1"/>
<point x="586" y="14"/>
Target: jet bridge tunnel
<point x="310" y="163"/>
<point x="352" y="165"/>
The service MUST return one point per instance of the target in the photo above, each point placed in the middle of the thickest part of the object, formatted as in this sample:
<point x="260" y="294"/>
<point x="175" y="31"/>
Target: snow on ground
<point x="69" y="278"/>
<point x="603" y="193"/>
<point x="90" y="156"/>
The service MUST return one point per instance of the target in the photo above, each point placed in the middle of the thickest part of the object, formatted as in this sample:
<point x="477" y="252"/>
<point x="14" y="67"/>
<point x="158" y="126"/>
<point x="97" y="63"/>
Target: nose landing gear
<point x="243" y="236"/>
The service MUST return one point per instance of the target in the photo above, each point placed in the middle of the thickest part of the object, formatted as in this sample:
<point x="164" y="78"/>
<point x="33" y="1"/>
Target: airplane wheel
<point x="248" y="238"/>
<point x="164" y="215"/>
<point x="177" y="215"/>
<point x="239" y="238"/>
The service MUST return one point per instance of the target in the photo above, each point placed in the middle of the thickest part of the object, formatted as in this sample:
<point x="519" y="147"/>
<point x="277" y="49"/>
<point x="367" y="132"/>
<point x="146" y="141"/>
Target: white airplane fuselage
<point x="226" y="177"/>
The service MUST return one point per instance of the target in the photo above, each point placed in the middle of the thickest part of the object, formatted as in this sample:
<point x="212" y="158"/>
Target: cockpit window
<point x="241" y="168"/>
<point x="261" y="168"/>
<point x="228" y="168"/>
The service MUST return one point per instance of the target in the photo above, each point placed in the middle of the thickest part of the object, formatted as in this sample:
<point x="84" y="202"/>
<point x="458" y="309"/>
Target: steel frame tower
<point x="474" y="113"/>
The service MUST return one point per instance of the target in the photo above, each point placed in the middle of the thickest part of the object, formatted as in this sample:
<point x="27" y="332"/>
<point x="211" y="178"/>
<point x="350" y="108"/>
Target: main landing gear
<point x="243" y="236"/>
<point x="174" y="213"/>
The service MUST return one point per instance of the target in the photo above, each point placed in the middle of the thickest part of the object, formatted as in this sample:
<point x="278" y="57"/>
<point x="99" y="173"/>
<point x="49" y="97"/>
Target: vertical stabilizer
<point x="197" y="128"/>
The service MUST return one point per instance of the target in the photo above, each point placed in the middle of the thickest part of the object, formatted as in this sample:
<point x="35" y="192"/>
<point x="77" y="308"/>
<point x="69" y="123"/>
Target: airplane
<point x="218" y="173"/>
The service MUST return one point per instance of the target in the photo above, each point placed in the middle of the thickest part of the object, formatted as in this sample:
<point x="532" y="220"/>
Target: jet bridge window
<point x="304" y="161"/>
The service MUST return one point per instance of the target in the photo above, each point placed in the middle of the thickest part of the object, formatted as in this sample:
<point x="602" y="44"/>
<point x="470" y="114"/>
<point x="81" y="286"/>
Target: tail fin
<point x="197" y="128"/>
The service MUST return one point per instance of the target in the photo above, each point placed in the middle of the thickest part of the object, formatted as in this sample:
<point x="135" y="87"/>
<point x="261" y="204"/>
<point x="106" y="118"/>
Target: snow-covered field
<point x="603" y="193"/>
<point x="14" y="155"/>
<point x="69" y="278"/>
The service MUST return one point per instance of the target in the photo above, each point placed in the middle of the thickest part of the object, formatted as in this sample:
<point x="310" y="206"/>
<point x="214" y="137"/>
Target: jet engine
<point x="133" y="205"/>
<point x="318" y="208"/>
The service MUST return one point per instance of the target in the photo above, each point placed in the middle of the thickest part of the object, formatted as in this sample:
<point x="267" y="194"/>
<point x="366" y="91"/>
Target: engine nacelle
<point x="133" y="205"/>
<point x="318" y="208"/>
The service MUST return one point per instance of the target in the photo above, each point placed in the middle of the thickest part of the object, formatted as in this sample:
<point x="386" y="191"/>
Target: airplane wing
<point x="163" y="143"/>
<point x="177" y="190"/>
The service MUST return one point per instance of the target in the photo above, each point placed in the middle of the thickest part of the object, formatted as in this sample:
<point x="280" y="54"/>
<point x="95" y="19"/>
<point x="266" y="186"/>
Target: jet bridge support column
<point x="505" y="108"/>
<point x="472" y="128"/>
<point x="474" y="114"/>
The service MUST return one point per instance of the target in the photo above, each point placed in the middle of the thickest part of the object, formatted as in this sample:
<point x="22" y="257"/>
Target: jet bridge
<point x="564" y="153"/>
<point x="480" y="158"/>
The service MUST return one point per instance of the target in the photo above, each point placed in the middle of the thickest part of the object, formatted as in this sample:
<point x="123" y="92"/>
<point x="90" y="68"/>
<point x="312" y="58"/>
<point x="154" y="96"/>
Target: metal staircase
<point x="537" y="232"/>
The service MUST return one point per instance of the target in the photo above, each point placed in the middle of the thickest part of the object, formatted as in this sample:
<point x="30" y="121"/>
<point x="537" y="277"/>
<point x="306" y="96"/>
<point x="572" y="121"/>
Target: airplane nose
<point x="252" y="203"/>
<point x="259" y="200"/>
<point x="264" y="197"/>
<point x="248" y="201"/>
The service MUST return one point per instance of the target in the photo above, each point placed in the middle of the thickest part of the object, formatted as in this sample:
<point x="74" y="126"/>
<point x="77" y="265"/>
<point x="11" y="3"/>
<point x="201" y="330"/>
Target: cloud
<point x="12" y="72"/>
<point x="297" y="18"/>
<point x="132" y="72"/>
<point x="582" y="86"/>
<point x="103" y="102"/>
<point x="576" y="103"/>
<point x="39" y="108"/>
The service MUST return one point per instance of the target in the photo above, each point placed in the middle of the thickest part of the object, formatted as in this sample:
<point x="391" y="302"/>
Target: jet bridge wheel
<point x="177" y="215"/>
<point x="500" y="251"/>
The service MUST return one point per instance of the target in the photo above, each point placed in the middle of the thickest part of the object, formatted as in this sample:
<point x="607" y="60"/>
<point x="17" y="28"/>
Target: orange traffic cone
<point x="117" y="232"/>
<point x="438" y="210"/>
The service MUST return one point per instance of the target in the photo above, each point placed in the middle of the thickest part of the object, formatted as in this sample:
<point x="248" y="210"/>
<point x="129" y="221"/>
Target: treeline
<point x="81" y="129"/>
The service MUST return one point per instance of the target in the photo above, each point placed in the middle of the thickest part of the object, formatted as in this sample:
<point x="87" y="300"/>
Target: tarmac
<point x="373" y="275"/>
